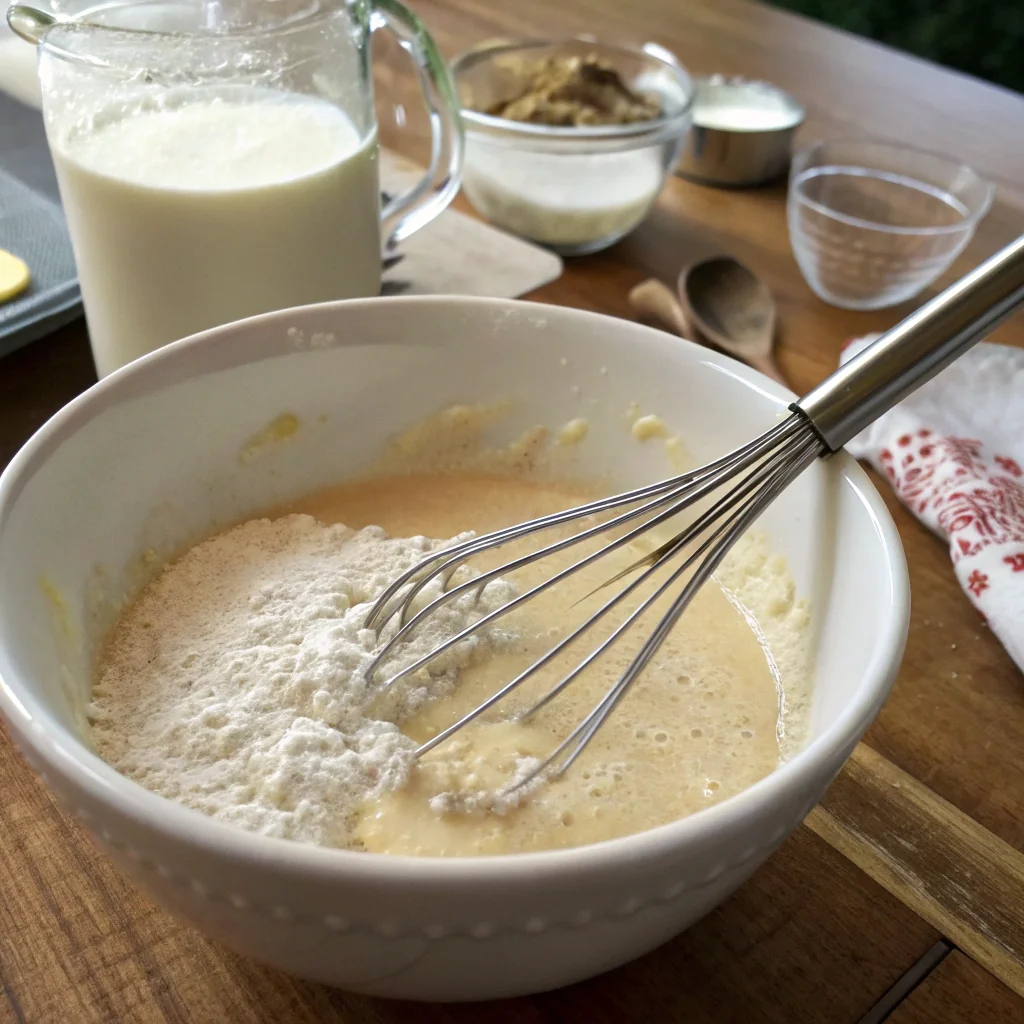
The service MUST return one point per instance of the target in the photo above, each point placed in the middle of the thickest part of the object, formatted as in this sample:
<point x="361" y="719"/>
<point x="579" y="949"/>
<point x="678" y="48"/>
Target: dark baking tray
<point x="32" y="227"/>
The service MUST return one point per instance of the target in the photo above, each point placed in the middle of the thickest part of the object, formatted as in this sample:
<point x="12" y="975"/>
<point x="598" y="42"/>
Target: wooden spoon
<point x="657" y="301"/>
<point x="733" y="309"/>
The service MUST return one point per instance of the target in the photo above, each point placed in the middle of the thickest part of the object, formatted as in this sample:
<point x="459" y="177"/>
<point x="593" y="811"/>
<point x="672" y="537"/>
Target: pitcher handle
<point x="410" y="211"/>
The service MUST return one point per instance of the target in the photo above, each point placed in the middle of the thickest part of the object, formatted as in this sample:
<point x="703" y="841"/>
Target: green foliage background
<point x="982" y="37"/>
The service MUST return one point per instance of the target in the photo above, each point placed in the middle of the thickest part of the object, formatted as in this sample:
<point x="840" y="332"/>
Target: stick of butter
<point x="14" y="275"/>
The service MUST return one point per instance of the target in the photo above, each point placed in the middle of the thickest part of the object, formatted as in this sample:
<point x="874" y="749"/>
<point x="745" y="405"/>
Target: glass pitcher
<point x="218" y="158"/>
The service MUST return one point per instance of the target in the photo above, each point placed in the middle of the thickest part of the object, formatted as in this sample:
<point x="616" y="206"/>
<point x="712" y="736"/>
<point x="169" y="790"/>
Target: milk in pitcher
<point x="207" y="209"/>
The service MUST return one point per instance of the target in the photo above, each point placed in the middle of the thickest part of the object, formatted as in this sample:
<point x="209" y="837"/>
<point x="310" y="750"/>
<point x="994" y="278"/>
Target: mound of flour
<point x="234" y="684"/>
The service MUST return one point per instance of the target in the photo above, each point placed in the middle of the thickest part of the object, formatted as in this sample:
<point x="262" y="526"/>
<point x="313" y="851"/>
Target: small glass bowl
<point x="873" y="223"/>
<point x="575" y="190"/>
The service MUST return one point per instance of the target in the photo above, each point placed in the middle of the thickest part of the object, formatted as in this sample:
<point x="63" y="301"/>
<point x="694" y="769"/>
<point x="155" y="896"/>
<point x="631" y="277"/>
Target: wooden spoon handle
<point x="656" y="300"/>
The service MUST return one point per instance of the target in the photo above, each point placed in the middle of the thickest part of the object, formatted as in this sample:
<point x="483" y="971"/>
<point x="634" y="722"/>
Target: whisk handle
<point x="916" y="349"/>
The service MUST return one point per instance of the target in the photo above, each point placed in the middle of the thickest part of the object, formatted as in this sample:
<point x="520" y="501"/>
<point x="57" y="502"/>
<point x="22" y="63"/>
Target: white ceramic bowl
<point x="149" y="457"/>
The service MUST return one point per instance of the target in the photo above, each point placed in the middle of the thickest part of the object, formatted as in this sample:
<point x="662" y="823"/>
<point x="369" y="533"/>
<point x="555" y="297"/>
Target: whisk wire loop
<point x="450" y="558"/>
<point x="653" y="562"/>
<point x="697" y="485"/>
<point x="715" y="548"/>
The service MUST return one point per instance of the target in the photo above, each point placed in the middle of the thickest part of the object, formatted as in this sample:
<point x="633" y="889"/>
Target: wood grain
<point x="809" y="938"/>
<point x="958" y="991"/>
<point x="940" y="863"/>
<point x="37" y="380"/>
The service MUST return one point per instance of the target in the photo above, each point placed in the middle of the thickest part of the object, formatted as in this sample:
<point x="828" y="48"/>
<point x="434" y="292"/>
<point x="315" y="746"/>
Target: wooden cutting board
<point x="458" y="255"/>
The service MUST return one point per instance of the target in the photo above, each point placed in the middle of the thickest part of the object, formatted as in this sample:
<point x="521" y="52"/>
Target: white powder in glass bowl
<point x="562" y="199"/>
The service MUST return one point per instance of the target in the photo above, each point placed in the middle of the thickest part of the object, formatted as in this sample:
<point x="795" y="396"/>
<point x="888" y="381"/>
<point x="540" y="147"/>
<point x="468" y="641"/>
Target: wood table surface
<point x="902" y="896"/>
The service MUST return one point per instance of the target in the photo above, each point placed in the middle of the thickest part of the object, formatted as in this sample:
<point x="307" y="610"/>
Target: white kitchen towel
<point x="954" y="453"/>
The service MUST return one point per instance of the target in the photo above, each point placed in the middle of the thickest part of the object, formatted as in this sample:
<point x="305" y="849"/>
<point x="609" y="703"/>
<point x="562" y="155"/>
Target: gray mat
<point x="32" y="227"/>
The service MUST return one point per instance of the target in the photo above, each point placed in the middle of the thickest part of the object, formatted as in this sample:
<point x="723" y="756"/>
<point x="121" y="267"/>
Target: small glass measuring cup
<point x="874" y="223"/>
<point x="218" y="159"/>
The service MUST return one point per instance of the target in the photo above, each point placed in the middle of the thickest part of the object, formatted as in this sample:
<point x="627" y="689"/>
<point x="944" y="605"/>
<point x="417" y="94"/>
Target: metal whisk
<point x="749" y="480"/>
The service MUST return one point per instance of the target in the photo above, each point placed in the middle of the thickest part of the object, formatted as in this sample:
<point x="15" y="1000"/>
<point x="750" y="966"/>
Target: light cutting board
<point x="458" y="255"/>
